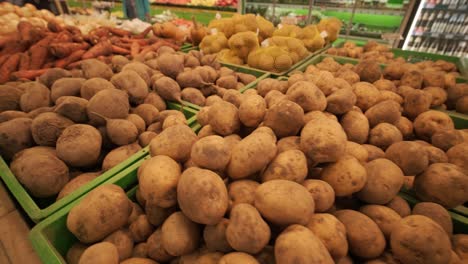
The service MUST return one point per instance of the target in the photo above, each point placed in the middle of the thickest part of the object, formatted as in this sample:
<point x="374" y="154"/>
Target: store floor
<point x="15" y="247"/>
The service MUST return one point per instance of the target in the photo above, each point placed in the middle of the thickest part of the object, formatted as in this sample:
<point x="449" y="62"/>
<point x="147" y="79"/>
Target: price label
<point x="218" y="15"/>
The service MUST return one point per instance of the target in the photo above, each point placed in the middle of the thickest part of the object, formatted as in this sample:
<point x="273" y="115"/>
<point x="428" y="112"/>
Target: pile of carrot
<point x="28" y="52"/>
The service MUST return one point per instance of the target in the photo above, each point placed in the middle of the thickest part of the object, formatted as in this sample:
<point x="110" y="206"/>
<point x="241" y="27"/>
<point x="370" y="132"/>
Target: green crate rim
<point x="42" y="245"/>
<point x="31" y="207"/>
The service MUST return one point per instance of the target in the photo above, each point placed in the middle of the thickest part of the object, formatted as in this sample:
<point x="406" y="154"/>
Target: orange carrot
<point x="119" y="50"/>
<point x="73" y="65"/>
<point x="54" y="26"/>
<point x="135" y="49"/>
<point x="9" y="66"/>
<point x="24" y="29"/>
<point x="62" y="50"/>
<point x="75" y="56"/>
<point x="141" y="42"/>
<point x="24" y="62"/>
<point x="6" y="39"/>
<point x="143" y="33"/>
<point x="63" y="36"/>
<point x="119" y="32"/>
<point x="3" y="59"/>
<point x="103" y="48"/>
<point x="39" y="52"/>
<point x="28" y="74"/>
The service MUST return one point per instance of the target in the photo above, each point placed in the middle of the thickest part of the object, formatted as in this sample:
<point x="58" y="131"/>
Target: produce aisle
<point x="236" y="140"/>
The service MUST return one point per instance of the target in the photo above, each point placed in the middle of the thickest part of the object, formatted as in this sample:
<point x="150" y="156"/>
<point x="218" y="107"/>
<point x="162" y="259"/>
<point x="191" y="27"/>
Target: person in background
<point x="137" y="9"/>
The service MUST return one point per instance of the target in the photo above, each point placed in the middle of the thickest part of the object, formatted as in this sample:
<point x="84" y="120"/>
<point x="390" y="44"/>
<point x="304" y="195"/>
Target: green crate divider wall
<point x="38" y="209"/>
<point x="51" y="238"/>
<point x="460" y="120"/>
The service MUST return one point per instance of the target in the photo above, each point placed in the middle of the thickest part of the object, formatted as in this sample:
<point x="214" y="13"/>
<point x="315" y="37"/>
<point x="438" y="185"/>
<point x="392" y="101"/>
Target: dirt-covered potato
<point x="368" y="71"/>
<point x="259" y="144"/>
<point x="457" y="155"/>
<point x="385" y="85"/>
<point x="412" y="78"/>
<point x="307" y="95"/>
<point x="41" y="172"/>
<point x="122" y="241"/>
<point x="96" y="68"/>
<point x="416" y="102"/>
<point x="384" y="181"/>
<point x="358" y="151"/>
<point x="269" y="84"/>
<point x="331" y="232"/>
<point x="175" y="142"/>
<point x="237" y="257"/>
<point x="242" y="191"/>
<point x="442" y="183"/>
<point x="15" y="135"/>
<point x="297" y="244"/>
<point x="149" y="113"/>
<point x="101" y="212"/>
<point x="138" y="122"/>
<point x="445" y="139"/>
<point x="373" y="152"/>
<point x="383" y="216"/>
<point x="439" y="95"/>
<point x="346" y="176"/>
<point x="79" y="145"/>
<point x="288" y="143"/>
<point x="9" y="97"/>
<point x="138" y="260"/>
<point x="234" y="97"/>
<point x="323" y="140"/>
<point x="437" y="213"/>
<point x="367" y="95"/>
<point x="405" y="126"/>
<point x="245" y="219"/>
<point x="273" y="97"/>
<point x="155" y="248"/>
<point x="356" y="126"/>
<point x="224" y="118"/>
<point x="92" y="86"/>
<point x="211" y="152"/>
<point x="206" y="131"/>
<point x="431" y="122"/>
<point x="341" y="101"/>
<point x="76" y="183"/>
<point x="202" y="196"/>
<point x="73" y="108"/>
<point x="384" y="135"/>
<point x="252" y="110"/>
<point x="388" y="95"/>
<point x="285" y="118"/>
<point x="75" y="252"/>
<point x="284" y="202"/>
<point x="364" y="236"/>
<point x="179" y="235"/>
<point x="459" y="244"/>
<point x="109" y="103"/>
<point x="104" y="252"/>
<point x="322" y="193"/>
<point x="400" y="206"/>
<point x="66" y="87"/>
<point x="384" y="112"/>
<point x="409" y="156"/>
<point x="462" y="105"/>
<point x="456" y="92"/>
<point x="35" y="95"/>
<point x="288" y="165"/>
<point x="215" y="236"/>
<point x="410" y="237"/>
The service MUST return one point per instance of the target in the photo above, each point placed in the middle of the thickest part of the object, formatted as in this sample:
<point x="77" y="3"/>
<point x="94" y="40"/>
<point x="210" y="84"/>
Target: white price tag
<point x="265" y="43"/>
<point x="324" y="34"/>
<point x="218" y="15"/>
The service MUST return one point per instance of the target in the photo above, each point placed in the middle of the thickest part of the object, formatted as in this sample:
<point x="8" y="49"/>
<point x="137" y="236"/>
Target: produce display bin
<point x="416" y="56"/>
<point x="460" y="120"/>
<point x="40" y="208"/>
<point x="51" y="238"/>
<point x="459" y="221"/>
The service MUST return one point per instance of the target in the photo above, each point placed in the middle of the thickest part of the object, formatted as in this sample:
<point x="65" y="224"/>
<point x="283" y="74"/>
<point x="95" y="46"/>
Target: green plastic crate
<point x="416" y="56"/>
<point x="38" y="209"/>
<point x="51" y="238"/>
<point x="459" y="221"/>
<point x="460" y="120"/>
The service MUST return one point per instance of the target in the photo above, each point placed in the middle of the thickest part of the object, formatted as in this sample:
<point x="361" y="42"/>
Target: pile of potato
<point x="68" y="127"/>
<point x="299" y="171"/>
<point x="382" y="53"/>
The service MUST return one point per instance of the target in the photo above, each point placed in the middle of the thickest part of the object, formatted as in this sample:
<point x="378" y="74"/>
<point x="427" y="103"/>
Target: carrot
<point x="24" y="62"/>
<point x="6" y="39"/>
<point x="39" y="52"/>
<point x="105" y="59"/>
<point x="135" y="49"/>
<point x="103" y="48"/>
<point x="54" y="26"/>
<point x="75" y="56"/>
<point x="119" y="50"/>
<point x="28" y="74"/>
<point x="119" y="32"/>
<point x="9" y="66"/>
<point x="62" y="50"/>
<point x="24" y="29"/>
<point x="3" y="59"/>
<point x="143" y="33"/>
<point x="124" y="45"/>
<point x="73" y="65"/>
<point x="141" y="42"/>
<point x="63" y="36"/>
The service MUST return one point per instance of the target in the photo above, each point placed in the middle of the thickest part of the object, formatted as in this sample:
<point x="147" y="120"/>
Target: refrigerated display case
<point x="440" y="27"/>
<point x="365" y="18"/>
